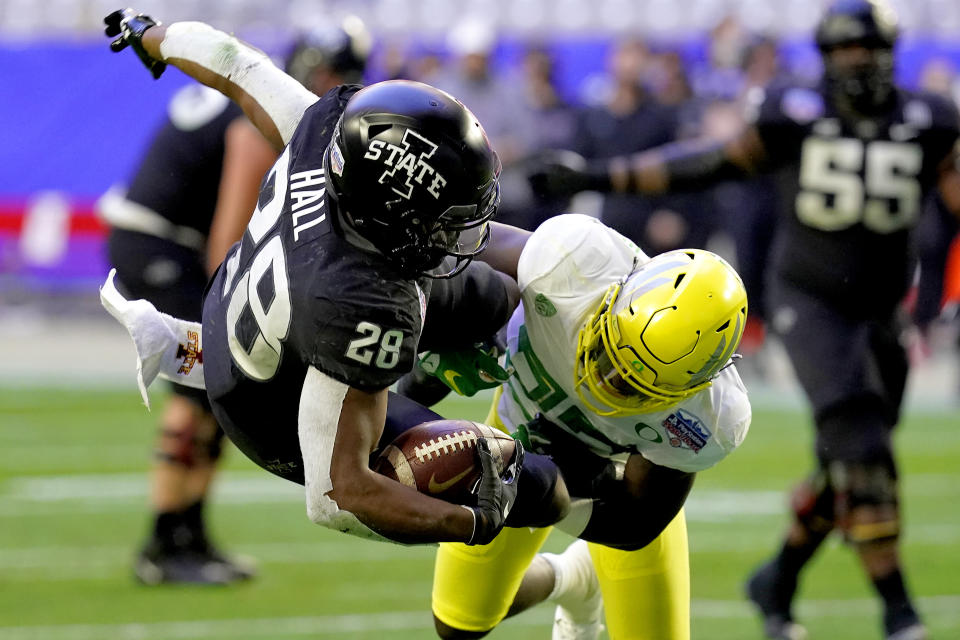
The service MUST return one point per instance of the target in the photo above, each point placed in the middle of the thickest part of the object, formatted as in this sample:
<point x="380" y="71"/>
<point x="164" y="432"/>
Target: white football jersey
<point x="565" y="268"/>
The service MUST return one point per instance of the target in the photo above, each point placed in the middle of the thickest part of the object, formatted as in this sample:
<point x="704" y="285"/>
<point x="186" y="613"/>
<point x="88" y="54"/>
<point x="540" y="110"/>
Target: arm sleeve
<point x="467" y="309"/>
<point x="318" y="419"/>
<point x="283" y="98"/>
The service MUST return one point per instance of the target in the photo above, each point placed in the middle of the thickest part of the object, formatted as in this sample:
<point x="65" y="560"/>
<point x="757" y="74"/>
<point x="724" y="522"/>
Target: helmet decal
<point x="410" y="155"/>
<point x="336" y="159"/>
<point x="418" y="178"/>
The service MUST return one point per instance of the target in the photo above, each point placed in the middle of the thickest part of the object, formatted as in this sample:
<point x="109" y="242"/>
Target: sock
<point x="898" y="610"/>
<point x="575" y="587"/>
<point x="194" y="522"/>
<point x="169" y="532"/>
<point x="789" y="562"/>
<point x="560" y="586"/>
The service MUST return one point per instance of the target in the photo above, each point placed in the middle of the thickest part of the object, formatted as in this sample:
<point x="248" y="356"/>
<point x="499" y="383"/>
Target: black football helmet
<point x="342" y="48"/>
<point x="866" y="86"/>
<point x="410" y="169"/>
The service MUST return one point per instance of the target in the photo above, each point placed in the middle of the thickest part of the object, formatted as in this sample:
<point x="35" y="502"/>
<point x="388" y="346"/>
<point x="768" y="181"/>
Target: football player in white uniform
<point x="623" y="374"/>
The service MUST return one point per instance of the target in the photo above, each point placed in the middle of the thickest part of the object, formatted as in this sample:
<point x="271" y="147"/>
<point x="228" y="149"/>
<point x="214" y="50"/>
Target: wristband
<point x="473" y="512"/>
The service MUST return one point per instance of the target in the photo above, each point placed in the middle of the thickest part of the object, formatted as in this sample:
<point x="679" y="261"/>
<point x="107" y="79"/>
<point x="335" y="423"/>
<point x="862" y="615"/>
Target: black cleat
<point x="190" y="567"/>
<point x="915" y="631"/>
<point x="904" y="625"/>
<point x="773" y="603"/>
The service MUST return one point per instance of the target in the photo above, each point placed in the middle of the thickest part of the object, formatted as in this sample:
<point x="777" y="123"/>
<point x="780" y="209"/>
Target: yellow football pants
<point x="646" y="593"/>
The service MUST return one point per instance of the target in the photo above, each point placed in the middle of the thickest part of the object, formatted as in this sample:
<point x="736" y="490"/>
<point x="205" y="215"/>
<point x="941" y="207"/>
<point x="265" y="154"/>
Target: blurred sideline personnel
<point x="864" y="153"/>
<point x="623" y="375"/>
<point x="190" y="199"/>
<point x="320" y="307"/>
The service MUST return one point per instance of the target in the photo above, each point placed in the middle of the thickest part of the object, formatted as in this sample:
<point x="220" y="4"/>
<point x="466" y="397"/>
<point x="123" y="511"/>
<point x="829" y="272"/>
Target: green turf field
<point x="73" y="490"/>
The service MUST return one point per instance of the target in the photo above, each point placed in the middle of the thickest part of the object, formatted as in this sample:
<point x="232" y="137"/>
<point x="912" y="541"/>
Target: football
<point x="439" y="458"/>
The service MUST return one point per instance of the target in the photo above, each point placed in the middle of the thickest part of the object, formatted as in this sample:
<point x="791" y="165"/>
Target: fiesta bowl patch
<point x="686" y="431"/>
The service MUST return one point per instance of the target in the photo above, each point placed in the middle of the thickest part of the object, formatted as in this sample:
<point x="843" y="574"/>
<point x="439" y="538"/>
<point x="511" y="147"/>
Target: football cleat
<point x="579" y="612"/>
<point x="915" y="631"/>
<point x="778" y="622"/>
<point x="190" y="567"/>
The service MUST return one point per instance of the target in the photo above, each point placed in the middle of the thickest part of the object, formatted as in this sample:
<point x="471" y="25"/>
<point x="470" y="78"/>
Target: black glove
<point x="496" y="494"/>
<point x="561" y="174"/>
<point x="130" y="26"/>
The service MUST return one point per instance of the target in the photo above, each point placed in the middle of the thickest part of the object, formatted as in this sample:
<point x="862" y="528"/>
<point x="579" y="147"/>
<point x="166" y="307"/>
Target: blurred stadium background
<point x="75" y="439"/>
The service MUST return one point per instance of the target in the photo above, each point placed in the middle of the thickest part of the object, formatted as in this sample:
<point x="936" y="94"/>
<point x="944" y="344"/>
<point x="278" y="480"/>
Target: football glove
<point x="130" y="26"/>
<point x="496" y="494"/>
<point x="561" y="174"/>
<point x="469" y="370"/>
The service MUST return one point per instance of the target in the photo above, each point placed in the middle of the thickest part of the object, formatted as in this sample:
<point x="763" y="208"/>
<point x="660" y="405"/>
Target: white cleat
<point x="913" y="632"/>
<point x="579" y="614"/>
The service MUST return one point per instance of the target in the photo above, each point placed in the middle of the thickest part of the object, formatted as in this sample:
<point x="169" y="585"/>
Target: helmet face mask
<point x="661" y="334"/>
<point x="411" y="171"/>
<point x="856" y="39"/>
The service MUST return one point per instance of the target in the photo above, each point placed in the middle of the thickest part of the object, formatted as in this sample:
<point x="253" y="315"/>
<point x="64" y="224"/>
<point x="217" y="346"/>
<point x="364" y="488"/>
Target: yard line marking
<point x="60" y="495"/>
<point x="408" y="620"/>
<point x="60" y="563"/>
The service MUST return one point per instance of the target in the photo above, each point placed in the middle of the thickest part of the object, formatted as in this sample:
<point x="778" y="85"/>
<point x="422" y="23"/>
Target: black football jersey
<point x="294" y="293"/>
<point x="179" y="175"/>
<point x="853" y="192"/>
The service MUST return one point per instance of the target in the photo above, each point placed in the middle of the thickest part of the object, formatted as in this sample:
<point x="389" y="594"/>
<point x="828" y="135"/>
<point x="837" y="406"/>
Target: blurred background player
<point x="863" y="154"/>
<point x="189" y="200"/>
<point x="623" y="375"/>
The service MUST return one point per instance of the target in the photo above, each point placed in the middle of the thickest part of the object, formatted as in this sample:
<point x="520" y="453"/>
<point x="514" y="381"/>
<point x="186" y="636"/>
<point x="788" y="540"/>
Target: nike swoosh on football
<point x="436" y="487"/>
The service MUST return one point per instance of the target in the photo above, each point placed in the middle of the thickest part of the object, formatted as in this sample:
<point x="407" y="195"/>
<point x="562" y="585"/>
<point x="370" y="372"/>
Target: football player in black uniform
<point x="320" y="307"/>
<point x="189" y="201"/>
<point x="862" y="154"/>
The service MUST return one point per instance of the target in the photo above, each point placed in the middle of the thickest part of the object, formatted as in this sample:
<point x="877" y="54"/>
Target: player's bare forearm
<point x="247" y="156"/>
<point x="389" y="508"/>
<point x="633" y="512"/>
<point x="687" y="165"/>
<point x="400" y="513"/>
<point x="506" y="245"/>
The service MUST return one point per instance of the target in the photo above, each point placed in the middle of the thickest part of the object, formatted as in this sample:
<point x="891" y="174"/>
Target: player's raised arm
<point x="272" y="100"/>
<point x="677" y="166"/>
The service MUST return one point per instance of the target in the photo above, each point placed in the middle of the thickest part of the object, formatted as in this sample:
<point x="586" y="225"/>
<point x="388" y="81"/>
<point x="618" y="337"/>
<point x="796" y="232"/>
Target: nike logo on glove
<point x="437" y="487"/>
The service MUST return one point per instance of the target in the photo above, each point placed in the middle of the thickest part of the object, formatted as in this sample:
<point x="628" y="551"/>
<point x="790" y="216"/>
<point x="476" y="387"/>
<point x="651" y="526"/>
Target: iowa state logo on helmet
<point x="407" y="166"/>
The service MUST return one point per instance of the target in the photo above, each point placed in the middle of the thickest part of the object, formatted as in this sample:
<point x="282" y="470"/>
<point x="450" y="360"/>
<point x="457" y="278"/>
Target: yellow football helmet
<point x="661" y="334"/>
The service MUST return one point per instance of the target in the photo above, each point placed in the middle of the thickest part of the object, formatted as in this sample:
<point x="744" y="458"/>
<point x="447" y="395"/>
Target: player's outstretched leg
<point x="576" y="591"/>
<point x="178" y="549"/>
<point x="772" y="597"/>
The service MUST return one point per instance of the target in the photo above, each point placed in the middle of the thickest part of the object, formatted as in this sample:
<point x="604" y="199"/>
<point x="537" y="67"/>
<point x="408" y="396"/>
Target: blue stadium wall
<point x="76" y="117"/>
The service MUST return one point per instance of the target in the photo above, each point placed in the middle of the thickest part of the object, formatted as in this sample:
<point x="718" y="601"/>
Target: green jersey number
<point x="547" y="395"/>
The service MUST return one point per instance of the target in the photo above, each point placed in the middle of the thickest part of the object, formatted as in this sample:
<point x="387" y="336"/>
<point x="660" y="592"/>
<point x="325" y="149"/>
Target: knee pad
<point x="867" y="503"/>
<point x="191" y="443"/>
<point x="812" y="503"/>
